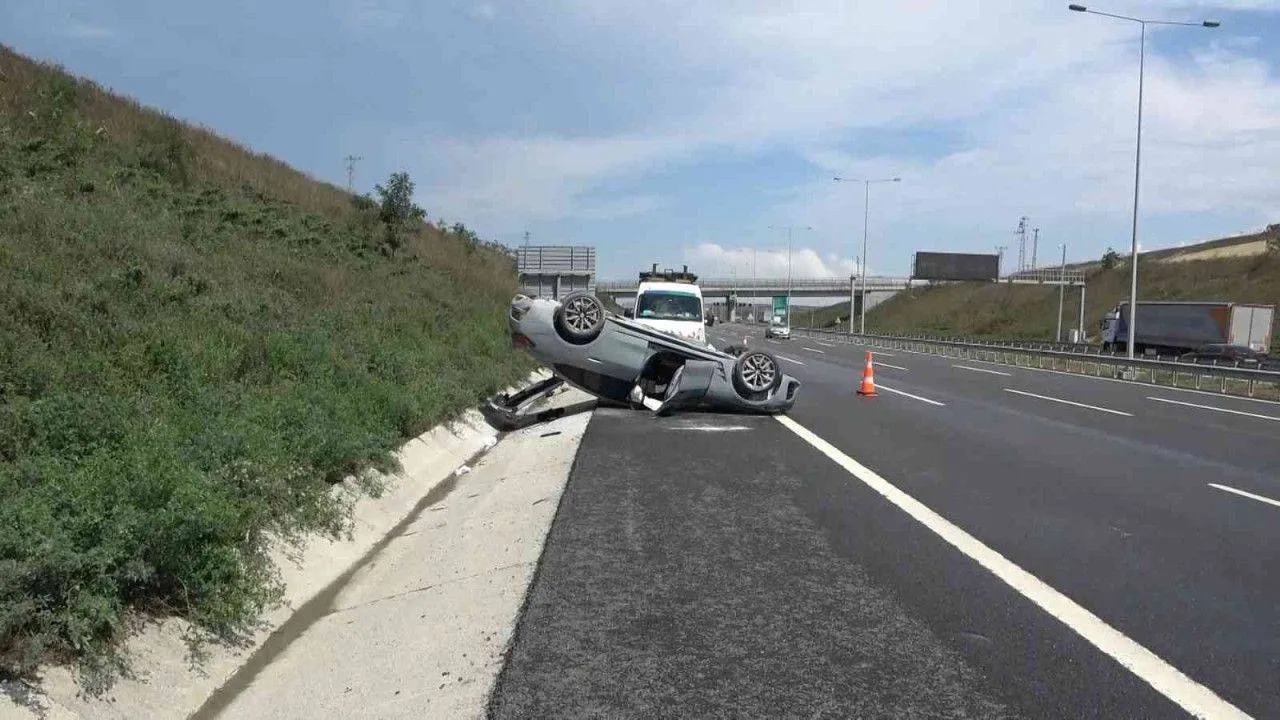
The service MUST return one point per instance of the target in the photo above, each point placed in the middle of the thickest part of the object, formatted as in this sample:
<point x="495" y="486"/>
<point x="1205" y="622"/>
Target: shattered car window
<point x="668" y="306"/>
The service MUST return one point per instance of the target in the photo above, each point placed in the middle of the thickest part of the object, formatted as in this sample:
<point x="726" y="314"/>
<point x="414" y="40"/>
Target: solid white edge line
<point x="781" y="357"/>
<point x="1112" y="380"/>
<point x="982" y="370"/>
<point x="1191" y="696"/>
<point x="895" y="367"/>
<point x="1244" y="493"/>
<point x="913" y="397"/>
<point x="820" y="352"/>
<point x="1069" y="402"/>
<point x="1217" y="409"/>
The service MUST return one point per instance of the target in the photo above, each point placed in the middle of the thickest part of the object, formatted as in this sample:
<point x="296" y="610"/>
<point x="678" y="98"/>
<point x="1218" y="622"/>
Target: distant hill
<point x="1243" y="269"/>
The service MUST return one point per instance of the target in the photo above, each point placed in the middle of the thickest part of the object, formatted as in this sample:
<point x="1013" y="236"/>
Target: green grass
<point x="1004" y="311"/>
<point x="195" y="342"/>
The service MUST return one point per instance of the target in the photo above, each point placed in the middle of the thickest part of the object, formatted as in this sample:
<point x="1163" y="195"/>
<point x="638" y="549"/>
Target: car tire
<point x="756" y="374"/>
<point x="580" y="318"/>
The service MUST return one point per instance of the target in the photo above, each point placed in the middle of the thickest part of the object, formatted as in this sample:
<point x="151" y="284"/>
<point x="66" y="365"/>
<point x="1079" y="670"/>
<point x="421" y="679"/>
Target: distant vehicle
<point x="1237" y="355"/>
<point x="1181" y="327"/>
<point x="779" y="331"/>
<point x="627" y="362"/>
<point x="670" y="301"/>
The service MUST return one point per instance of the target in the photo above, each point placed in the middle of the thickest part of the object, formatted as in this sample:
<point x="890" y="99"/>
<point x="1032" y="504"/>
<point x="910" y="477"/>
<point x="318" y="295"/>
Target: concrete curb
<point x="166" y="684"/>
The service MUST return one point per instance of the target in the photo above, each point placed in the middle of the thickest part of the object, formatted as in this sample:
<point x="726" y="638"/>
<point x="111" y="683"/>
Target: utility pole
<point x="1062" y="288"/>
<point x="526" y="238"/>
<point x="1021" y="232"/>
<point x="351" y="171"/>
<point x="1000" y="261"/>
<point x="1035" y="243"/>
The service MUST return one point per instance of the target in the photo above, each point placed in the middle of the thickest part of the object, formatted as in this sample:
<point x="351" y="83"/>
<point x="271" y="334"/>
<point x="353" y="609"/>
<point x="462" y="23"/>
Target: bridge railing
<point x="1080" y="359"/>
<point x="874" y="282"/>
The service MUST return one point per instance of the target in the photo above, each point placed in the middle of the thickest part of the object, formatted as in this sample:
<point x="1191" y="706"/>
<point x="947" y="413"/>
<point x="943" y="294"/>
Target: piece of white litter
<point x="462" y="471"/>
<point x="490" y="442"/>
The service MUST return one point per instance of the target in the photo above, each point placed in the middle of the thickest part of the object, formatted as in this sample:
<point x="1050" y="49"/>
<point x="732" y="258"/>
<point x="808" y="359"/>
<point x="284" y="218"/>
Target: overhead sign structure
<point x="956" y="266"/>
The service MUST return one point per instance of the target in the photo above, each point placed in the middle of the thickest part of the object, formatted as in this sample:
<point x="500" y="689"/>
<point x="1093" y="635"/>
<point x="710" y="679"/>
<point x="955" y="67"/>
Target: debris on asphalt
<point x="464" y="470"/>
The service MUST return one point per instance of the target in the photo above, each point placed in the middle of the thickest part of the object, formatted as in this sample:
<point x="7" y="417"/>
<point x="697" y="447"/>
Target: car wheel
<point x="580" y="318"/>
<point x="756" y="374"/>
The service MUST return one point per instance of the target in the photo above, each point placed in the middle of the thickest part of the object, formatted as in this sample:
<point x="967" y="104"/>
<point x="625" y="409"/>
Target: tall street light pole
<point x="1137" y="161"/>
<point x="789" y="228"/>
<point x="866" y="216"/>
<point x="1062" y="288"/>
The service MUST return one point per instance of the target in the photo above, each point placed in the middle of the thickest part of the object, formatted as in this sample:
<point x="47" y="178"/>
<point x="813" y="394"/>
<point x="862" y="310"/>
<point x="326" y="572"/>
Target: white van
<point x="671" y="302"/>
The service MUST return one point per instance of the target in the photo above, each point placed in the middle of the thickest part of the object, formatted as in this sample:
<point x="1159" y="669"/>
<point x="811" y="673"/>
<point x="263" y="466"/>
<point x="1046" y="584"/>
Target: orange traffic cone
<point x="868" y="388"/>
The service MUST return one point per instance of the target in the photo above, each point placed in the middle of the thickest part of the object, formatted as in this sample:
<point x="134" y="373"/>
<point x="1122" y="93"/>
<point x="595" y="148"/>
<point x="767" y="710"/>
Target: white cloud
<point x="714" y="260"/>
<point x="1040" y="102"/>
<point x="88" y="31"/>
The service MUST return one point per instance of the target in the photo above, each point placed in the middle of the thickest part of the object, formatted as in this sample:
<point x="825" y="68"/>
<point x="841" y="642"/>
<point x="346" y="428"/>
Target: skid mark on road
<point x="1166" y="679"/>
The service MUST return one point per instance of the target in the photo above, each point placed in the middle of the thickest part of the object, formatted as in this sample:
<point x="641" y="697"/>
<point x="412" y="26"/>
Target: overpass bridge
<point x="833" y="286"/>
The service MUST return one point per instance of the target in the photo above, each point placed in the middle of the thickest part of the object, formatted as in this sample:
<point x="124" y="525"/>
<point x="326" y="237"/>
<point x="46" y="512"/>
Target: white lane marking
<point x="780" y="357"/>
<point x="913" y="397"/>
<point x="1069" y="402"/>
<point x="983" y="370"/>
<point x="885" y="364"/>
<point x="1217" y="409"/>
<point x="712" y="428"/>
<point x="820" y="352"/>
<point x="1169" y="681"/>
<point x="1117" y="380"/>
<point x="1249" y="495"/>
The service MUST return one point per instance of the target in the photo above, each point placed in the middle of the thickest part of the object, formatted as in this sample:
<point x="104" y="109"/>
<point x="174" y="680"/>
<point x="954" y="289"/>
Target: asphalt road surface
<point x="726" y="566"/>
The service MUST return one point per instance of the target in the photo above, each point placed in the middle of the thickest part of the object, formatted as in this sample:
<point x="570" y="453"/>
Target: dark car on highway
<point x="1232" y="355"/>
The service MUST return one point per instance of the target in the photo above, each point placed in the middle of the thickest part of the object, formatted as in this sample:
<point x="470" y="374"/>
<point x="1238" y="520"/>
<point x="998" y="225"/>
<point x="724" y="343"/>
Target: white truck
<point x="1188" y="326"/>
<point x="670" y="301"/>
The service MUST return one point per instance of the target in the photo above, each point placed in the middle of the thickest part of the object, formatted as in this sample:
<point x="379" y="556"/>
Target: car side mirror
<point x="628" y="312"/>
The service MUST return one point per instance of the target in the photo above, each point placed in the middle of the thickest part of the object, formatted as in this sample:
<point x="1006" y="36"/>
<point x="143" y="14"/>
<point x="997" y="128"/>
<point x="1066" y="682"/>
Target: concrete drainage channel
<point x="409" y="619"/>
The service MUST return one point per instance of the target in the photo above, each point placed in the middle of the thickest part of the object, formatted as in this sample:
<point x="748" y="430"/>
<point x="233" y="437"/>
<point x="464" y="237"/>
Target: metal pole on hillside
<point x="1137" y="158"/>
<point x="1081" y="330"/>
<point x="1062" y="289"/>
<point x="351" y="171"/>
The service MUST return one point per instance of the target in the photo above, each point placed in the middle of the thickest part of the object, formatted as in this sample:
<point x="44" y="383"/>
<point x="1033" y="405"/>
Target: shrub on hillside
<point x="186" y="366"/>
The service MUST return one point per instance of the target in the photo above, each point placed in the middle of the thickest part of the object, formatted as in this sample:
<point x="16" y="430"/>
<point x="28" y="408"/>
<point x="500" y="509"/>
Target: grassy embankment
<point x="998" y="310"/>
<point x="195" y="341"/>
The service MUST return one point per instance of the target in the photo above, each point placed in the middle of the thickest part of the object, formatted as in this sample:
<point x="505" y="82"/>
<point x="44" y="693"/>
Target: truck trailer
<point x="1186" y="326"/>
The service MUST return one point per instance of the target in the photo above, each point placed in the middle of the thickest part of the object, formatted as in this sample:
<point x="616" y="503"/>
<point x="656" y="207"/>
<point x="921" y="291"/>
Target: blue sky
<point x="680" y="132"/>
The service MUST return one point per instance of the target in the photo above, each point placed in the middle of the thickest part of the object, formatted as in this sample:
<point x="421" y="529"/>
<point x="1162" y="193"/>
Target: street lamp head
<point x="1077" y="8"/>
<point x="897" y="179"/>
<point x="1212" y="23"/>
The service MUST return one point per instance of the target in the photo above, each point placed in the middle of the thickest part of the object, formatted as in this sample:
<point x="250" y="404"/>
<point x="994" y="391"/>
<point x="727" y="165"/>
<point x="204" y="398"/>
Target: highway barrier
<point x="1079" y="359"/>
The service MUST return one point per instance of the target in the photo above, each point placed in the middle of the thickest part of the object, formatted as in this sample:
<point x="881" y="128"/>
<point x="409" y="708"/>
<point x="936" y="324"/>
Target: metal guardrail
<point x="1225" y="380"/>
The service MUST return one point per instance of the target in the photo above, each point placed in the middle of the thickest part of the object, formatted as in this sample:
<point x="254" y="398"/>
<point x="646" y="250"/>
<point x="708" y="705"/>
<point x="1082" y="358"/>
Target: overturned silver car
<point x="625" y="362"/>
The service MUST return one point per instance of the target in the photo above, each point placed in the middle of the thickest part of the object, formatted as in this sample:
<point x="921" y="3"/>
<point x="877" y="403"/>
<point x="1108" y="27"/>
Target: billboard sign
<point x="781" y="310"/>
<point x="956" y="266"/>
